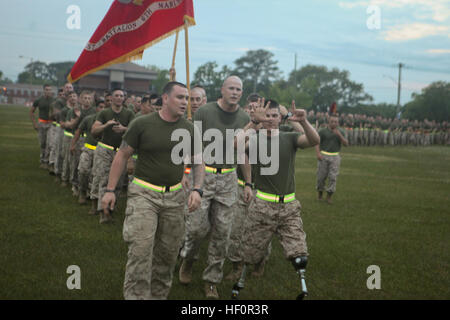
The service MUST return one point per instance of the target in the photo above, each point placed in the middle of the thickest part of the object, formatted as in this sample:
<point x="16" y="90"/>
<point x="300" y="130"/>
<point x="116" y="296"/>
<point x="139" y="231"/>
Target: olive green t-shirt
<point x="56" y="108"/>
<point x="212" y="116"/>
<point x="329" y="141"/>
<point x="44" y="105"/>
<point x="110" y="137"/>
<point x="151" y="136"/>
<point x="86" y="126"/>
<point x="283" y="182"/>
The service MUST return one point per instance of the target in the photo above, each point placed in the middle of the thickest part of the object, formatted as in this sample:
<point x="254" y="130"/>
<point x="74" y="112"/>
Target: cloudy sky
<point x="367" y="38"/>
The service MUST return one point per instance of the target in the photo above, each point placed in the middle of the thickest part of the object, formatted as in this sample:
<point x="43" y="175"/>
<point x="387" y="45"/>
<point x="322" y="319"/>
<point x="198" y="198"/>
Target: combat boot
<point x="185" y="272"/>
<point x="93" y="210"/>
<point x="211" y="291"/>
<point x="82" y="197"/>
<point x="258" y="272"/>
<point x="329" y="201"/>
<point x="235" y="272"/>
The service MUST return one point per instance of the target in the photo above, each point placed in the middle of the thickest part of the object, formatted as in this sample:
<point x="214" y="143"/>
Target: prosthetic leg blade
<point x="238" y="286"/>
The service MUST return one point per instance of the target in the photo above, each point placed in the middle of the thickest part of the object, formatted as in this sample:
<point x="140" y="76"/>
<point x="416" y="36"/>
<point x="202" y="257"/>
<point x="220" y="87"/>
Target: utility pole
<point x="295" y="71"/>
<point x="399" y="85"/>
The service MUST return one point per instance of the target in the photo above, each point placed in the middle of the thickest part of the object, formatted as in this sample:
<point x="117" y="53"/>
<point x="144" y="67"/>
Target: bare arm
<point x="75" y="139"/>
<point x="341" y="137"/>
<point x="98" y="127"/>
<point x="32" y="118"/>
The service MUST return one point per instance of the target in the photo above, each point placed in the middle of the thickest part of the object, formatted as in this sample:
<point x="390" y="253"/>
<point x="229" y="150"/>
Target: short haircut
<point x="116" y="89"/>
<point x="60" y="90"/>
<point x="46" y="85"/>
<point x="169" y="86"/>
<point x="158" y="102"/>
<point x="273" y="104"/>
<point x="70" y="93"/>
<point x="154" y="96"/>
<point x="100" y="101"/>
<point x="253" y="97"/>
<point x="146" y="99"/>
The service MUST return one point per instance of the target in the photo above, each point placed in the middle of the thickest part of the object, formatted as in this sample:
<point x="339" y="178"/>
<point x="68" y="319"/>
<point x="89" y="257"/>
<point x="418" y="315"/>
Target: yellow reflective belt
<point x="241" y="183"/>
<point x="219" y="170"/>
<point x="330" y="153"/>
<point x="156" y="188"/>
<point x="275" y="198"/>
<point x="90" y="146"/>
<point x="134" y="156"/>
<point x="105" y="146"/>
<point x="68" y="134"/>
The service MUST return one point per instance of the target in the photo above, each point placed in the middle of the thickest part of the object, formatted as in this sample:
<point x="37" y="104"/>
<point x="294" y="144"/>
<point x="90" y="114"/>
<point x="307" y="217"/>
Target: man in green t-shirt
<point x="275" y="209"/>
<point x="87" y="154"/>
<point x="110" y="125"/>
<point x="57" y="107"/>
<point x="72" y="103"/>
<point x="154" y="218"/>
<point x="216" y="212"/>
<point x="43" y="104"/>
<point x="331" y="138"/>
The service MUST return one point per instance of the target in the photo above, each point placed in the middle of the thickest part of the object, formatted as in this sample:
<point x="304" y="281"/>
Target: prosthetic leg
<point x="238" y="286"/>
<point x="299" y="264"/>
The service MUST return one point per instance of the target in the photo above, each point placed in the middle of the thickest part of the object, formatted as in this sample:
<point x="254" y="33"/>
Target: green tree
<point x="161" y="79"/>
<point x="58" y="71"/>
<point x="257" y="69"/>
<point x="328" y="86"/>
<point x="432" y="103"/>
<point x="210" y="79"/>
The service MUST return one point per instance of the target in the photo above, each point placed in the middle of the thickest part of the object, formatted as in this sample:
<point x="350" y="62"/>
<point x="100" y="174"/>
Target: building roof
<point x="131" y="67"/>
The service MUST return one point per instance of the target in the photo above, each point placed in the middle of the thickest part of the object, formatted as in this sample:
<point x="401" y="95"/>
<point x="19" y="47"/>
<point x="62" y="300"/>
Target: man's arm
<point x="341" y="137"/>
<point x="246" y="169"/>
<point x="311" y="137"/>
<point x="117" y="166"/>
<point x="198" y="170"/>
<point x="75" y="140"/>
<point x="98" y="127"/>
<point x="32" y="118"/>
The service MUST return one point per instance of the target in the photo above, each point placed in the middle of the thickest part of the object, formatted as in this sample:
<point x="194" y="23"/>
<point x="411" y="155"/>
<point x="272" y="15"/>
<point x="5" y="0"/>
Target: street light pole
<point x="31" y="74"/>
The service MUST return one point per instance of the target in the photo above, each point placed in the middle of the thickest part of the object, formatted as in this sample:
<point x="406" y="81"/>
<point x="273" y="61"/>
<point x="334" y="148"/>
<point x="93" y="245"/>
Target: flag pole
<point x="172" y="74"/>
<point x="186" y="40"/>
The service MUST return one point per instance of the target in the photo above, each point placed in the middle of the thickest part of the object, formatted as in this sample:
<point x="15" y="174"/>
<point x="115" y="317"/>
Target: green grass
<point x="391" y="209"/>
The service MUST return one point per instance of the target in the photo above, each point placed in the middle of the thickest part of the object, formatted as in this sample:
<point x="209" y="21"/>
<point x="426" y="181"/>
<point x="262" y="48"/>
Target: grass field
<point x="391" y="209"/>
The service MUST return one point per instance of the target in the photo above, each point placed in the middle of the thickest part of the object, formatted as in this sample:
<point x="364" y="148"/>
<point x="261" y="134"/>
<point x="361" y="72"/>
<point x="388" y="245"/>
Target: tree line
<point x="313" y="87"/>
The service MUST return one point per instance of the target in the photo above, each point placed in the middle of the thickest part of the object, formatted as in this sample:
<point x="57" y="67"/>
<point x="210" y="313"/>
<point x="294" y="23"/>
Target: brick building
<point x="129" y="76"/>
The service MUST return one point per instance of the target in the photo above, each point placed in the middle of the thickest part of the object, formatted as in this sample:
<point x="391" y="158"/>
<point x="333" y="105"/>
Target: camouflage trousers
<point x="85" y="168"/>
<point x="234" y="253"/>
<point x="58" y="150"/>
<point x="153" y="230"/>
<point x="51" y="142"/>
<point x="74" y="162"/>
<point x="102" y="164"/>
<point x="266" y="219"/>
<point x="349" y="136"/>
<point x="65" y="173"/>
<point x="215" y="215"/>
<point x="328" y="167"/>
<point x="43" y="129"/>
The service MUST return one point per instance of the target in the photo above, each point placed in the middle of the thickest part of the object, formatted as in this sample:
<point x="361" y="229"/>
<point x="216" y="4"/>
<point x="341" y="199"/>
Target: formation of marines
<point x="363" y="130"/>
<point x="104" y="146"/>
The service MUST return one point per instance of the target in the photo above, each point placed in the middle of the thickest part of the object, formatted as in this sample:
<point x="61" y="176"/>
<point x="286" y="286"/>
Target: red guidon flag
<point x="128" y="28"/>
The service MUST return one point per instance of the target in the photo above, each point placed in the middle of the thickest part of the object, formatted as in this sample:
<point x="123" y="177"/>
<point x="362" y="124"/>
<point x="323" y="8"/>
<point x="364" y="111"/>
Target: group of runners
<point x="229" y="197"/>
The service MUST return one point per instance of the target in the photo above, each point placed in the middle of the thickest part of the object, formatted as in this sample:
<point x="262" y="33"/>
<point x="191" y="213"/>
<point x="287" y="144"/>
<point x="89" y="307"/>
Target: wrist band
<point x="248" y="184"/>
<point x="109" y="190"/>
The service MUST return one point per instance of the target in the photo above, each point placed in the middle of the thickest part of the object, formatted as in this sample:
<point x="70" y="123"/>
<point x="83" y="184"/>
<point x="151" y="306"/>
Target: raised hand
<point x="259" y="113"/>
<point x="298" y="115"/>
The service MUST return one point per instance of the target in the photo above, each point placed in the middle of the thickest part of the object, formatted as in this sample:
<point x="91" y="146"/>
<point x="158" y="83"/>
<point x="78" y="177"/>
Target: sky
<point x="367" y="38"/>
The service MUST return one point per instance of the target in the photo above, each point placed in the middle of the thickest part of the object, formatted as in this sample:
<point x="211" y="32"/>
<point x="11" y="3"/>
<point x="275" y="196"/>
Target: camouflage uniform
<point x="85" y="168"/>
<point x="65" y="173"/>
<point x="266" y="219"/>
<point x="152" y="253"/>
<point x="43" y="130"/>
<point x="328" y="167"/>
<point x="215" y="215"/>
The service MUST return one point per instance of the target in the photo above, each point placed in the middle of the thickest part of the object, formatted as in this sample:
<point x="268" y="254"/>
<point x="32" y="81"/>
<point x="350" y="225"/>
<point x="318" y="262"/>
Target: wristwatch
<point x="288" y="115"/>
<point x="110" y="190"/>
<point x="200" y="192"/>
<point x="255" y="122"/>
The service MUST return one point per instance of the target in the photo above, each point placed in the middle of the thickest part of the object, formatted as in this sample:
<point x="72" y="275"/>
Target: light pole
<point x="31" y="61"/>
